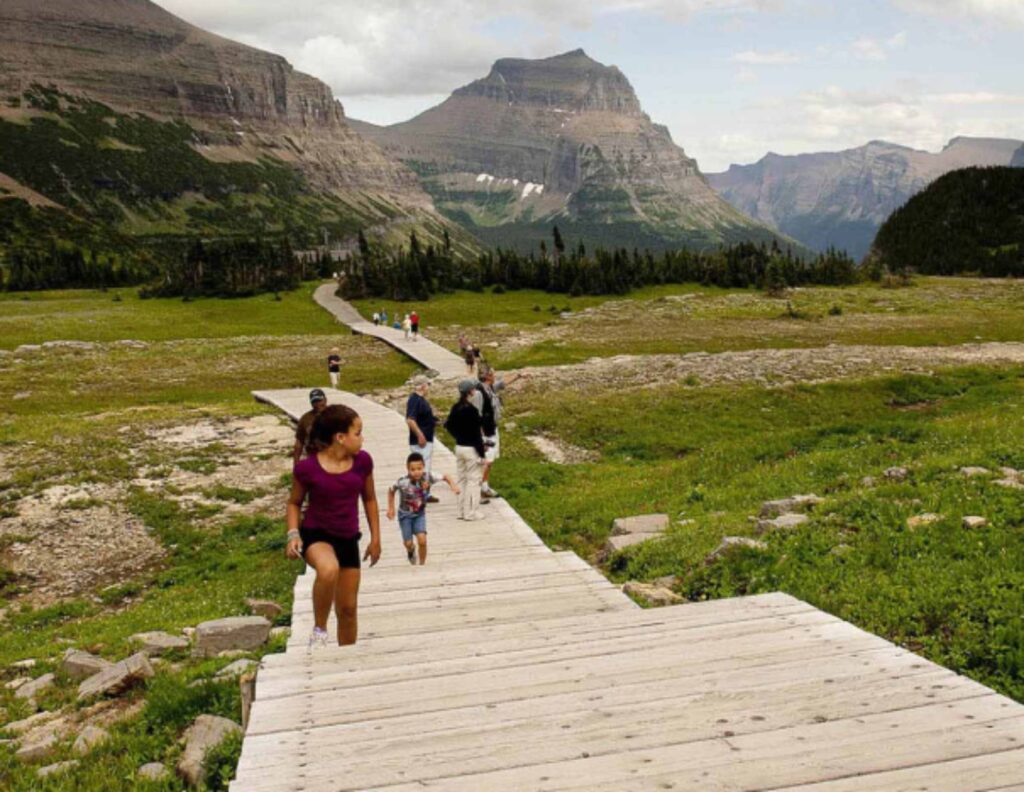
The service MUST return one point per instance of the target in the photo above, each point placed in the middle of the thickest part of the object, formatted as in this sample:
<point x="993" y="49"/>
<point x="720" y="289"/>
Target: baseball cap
<point x="316" y="395"/>
<point x="467" y="385"/>
<point x="420" y="379"/>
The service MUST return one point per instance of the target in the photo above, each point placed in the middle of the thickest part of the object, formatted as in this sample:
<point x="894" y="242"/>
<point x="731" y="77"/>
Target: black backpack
<point x="487" y="415"/>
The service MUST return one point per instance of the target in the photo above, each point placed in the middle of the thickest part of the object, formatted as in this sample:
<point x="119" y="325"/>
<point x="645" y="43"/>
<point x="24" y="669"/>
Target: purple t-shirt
<point x="333" y="498"/>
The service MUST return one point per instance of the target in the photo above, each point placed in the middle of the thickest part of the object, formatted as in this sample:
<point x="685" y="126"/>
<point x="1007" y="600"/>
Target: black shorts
<point x="346" y="550"/>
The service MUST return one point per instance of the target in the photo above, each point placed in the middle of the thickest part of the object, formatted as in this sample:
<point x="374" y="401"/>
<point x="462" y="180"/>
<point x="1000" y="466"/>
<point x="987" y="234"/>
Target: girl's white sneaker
<point x="318" y="640"/>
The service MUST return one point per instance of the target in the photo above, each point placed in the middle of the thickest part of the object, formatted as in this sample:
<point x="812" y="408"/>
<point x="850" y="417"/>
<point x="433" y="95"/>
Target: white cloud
<point x="977" y="98"/>
<point x="772" y="58"/>
<point x="994" y="11"/>
<point x="871" y="49"/>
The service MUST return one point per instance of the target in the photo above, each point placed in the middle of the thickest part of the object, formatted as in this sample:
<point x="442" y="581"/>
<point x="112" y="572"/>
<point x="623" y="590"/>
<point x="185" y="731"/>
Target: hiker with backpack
<point x="486" y="398"/>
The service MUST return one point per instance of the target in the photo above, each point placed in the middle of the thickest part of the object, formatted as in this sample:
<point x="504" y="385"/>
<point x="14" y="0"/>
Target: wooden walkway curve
<point x="502" y="665"/>
<point x="433" y="356"/>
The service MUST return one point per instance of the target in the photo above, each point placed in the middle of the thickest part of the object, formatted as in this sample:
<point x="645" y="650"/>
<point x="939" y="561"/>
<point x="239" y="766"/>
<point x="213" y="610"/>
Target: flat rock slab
<point x="796" y="503"/>
<point x="235" y="633"/>
<point x="920" y="520"/>
<point x="236" y="668"/>
<point x="28" y="724"/>
<point x="118" y="678"/>
<point x="265" y="608"/>
<point x="154" y="771"/>
<point x="653" y="594"/>
<point x="784" y="522"/>
<point x="37" y="685"/>
<point x="730" y="543"/>
<point x="641" y="524"/>
<point x="616" y="544"/>
<point x="974" y="472"/>
<point x="55" y="769"/>
<point x="82" y="665"/>
<point x="974" y="522"/>
<point x="157" y="643"/>
<point x="205" y="733"/>
<point x="88" y="738"/>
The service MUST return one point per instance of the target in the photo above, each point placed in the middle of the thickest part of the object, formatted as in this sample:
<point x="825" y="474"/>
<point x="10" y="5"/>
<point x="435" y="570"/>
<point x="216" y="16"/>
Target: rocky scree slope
<point x="841" y="198"/>
<point x="196" y="130"/>
<point x="562" y="140"/>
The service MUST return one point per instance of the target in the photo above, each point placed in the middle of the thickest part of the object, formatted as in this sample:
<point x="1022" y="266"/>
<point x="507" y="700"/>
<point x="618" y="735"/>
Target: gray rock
<point x="973" y="472"/>
<point x="868" y="481"/>
<point x="54" y="769"/>
<point x="154" y="771"/>
<point x="641" y="524"/>
<point x="81" y="665"/>
<point x="206" y="732"/>
<point x="974" y="522"/>
<point x="655" y="595"/>
<point x="264" y="608"/>
<point x="730" y="543"/>
<point x="897" y="474"/>
<point x="236" y="668"/>
<point x="38" y="745"/>
<point x="796" y="503"/>
<point x="28" y="724"/>
<point x="616" y="544"/>
<point x="118" y="678"/>
<point x="784" y="522"/>
<point x="157" y="643"/>
<point x="919" y="520"/>
<point x="26" y="349"/>
<point x="276" y="631"/>
<point x="80" y="345"/>
<point x="37" y="685"/>
<point x="1010" y="483"/>
<point x="17" y="682"/>
<point x="29" y="662"/>
<point x="235" y="632"/>
<point x="88" y="738"/>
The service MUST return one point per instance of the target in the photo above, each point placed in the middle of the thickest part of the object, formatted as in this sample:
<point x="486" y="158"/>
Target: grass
<point x="689" y="318"/>
<point x="713" y="455"/>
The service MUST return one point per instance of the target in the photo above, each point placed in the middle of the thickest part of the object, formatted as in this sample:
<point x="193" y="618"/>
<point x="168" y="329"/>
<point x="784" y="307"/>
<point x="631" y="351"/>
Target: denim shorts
<point x="412" y="523"/>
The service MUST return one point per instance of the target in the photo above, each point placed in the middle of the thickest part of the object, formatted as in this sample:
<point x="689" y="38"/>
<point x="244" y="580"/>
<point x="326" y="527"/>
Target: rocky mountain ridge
<point x="561" y="140"/>
<point x="842" y="198"/>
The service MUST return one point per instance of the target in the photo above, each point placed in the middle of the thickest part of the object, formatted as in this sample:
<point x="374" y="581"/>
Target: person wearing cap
<point x="464" y="425"/>
<point x="303" y="431"/>
<point x="334" y="366"/>
<point x="419" y="415"/>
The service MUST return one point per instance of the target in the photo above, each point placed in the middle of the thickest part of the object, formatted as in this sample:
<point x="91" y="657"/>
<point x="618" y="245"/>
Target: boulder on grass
<point x="974" y="472"/>
<point x="81" y="665"/>
<point x="118" y="678"/>
<point x="920" y="520"/>
<point x="37" y="685"/>
<point x="730" y="543"/>
<point x="205" y="733"/>
<point x="235" y="669"/>
<point x="974" y="522"/>
<point x="54" y="769"/>
<point x="88" y="738"/>
<point x="28" y="724"/>
<point x="154" y="771"/>
<point x="641" y="524"/>
<point x="265" y="608"/>
<point x="156" y="643"/>
<point x="655" y="595"/>
<point x="783" y="522"/>
<point x="243" y="633"/>
<point x="796" y="503"/>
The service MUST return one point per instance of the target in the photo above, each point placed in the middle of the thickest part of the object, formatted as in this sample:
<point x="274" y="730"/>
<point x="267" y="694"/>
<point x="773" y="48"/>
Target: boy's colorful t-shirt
<point x="412" y="495"/>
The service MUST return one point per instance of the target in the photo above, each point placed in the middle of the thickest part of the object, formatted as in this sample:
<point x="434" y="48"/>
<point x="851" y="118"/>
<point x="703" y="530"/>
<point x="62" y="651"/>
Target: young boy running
<point x="413" y="490"/>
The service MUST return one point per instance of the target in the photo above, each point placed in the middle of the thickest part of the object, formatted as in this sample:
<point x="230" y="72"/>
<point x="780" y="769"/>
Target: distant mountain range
<point x="562" y="140"/>
<point x="121" y="123"/>
<point x="841" y="198"/>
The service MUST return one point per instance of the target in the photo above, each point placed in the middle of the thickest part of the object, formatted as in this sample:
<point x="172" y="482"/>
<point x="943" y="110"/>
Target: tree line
<point x="416" y="272"/>
<point x="62" y="267"/>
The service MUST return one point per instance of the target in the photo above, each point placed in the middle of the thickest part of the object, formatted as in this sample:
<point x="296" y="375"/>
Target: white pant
<point x="427" y="452"/>
<point x="469" y="473"/>
<point x="334" y="378"/>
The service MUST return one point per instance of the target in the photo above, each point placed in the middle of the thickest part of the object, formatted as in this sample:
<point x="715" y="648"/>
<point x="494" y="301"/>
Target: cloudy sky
<point x="732" y="79"/>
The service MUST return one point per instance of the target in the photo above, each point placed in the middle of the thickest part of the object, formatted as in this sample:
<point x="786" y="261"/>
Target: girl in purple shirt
<point x="335" y="475"/>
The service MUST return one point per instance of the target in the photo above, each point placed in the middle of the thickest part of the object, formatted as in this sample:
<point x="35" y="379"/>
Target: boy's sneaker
<point x="318" y="640"/>
<point x="487" y="492"/>
<point x="432" y="499"/>
<point x="411" y="555"/>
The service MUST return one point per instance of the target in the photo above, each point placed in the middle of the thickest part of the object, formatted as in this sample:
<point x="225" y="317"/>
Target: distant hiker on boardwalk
<point x="414" y="490"/>
<point x="470" y="358"/>
<point x="463" y="423"/>
<point x="334" y="366"/>
<point x="334" y="477"/>
<point x="414" y="318"/>
<point x="318" y="401"/>
<point x="384" y="318"/>
<point x="376" y="318"/>
<point x="406" y="326"/>
<point x="487" y="399"/>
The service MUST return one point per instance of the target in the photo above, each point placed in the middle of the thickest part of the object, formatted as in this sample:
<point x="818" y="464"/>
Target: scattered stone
<point x="974" y="522"/>
<point x="868" y="481"/>
<point x="642" y="524"/>
<point x="207" y="732"/>
<point x="973" y="472"/>
<point x="655" y="595"/>
<point x="28" y="724"/>
<point x="37" y="685"/>
<point x="234" y="632"/>
<point x="81" y="665"/>
<point x="236" y="668"/>
<point x="897" y="474"/>
<point x="1012" y="478"/>
<point x="38" y="745"/>
<point x="81" y="345"/>
<point x="88" y="738"/>
<point x="188" y="632"/>
<point x="616" y="544"/>
<point x="154" y="771"/>
<point x="54" y="769"/>
<point x="14" y="684"/>
<point x="920" y="520"/>
<point x="731" y="542"/>
<point x="157" y="643"/>
<point x="118" y="678"/>
<point x="232" y="653"/>
<point x="784" y="522"/>
<point x="796" y="503"/>
<point x="26" y="349"/>
<point x="265" y="608"/>
<point x="29" y="662"/>
<point x="276" y="631"/>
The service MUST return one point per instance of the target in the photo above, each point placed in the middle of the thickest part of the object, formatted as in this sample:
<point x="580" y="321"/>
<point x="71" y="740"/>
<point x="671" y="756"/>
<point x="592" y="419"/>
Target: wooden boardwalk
<point x="502" y="665"/>
<point x="433" y="356"/>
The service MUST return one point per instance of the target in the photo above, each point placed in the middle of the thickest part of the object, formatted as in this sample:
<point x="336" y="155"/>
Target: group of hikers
<point x="409" y="324"/>
<point x="332" y="473"/>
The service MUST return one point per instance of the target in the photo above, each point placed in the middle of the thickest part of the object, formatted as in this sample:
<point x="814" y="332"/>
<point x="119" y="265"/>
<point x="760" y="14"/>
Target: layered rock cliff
<point x="561" y="140"/>
<point x="841" y="198"/>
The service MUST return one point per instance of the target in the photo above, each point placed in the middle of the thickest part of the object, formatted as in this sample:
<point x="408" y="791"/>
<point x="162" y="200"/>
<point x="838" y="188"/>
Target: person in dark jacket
<point x="465" y="426"/>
